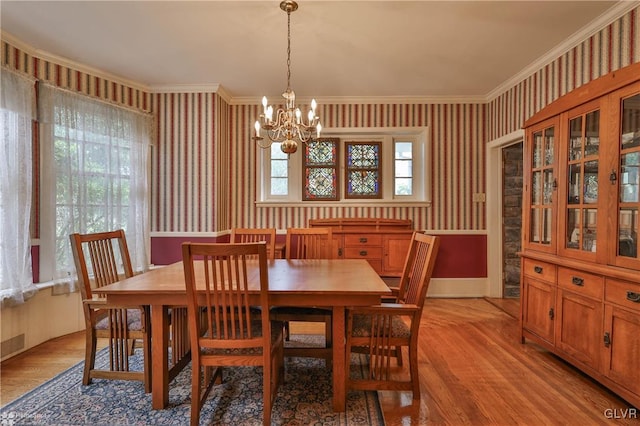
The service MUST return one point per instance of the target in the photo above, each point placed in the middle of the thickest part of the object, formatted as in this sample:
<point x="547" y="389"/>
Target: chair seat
<point x="134" y="321"/>
<point x="256" y="330"/>
<point x="300" y="310"/>
<point x="362" y="327"/>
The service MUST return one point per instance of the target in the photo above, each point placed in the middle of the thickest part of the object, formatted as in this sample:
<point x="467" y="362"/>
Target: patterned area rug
<point x="303" y="399"/>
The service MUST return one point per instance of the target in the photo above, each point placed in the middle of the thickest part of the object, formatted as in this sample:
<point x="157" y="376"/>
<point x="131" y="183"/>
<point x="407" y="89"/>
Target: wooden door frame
<point x="493" y="210"/>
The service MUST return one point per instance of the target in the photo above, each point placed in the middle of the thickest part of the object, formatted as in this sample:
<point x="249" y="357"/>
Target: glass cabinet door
<point x="628" y="194"/>
<point x="582" y="180"/>
<point x="543" y="183"/>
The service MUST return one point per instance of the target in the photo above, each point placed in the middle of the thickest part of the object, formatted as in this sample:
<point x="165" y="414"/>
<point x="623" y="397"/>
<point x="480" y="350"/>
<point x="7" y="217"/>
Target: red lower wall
<point x="460" y="256"/>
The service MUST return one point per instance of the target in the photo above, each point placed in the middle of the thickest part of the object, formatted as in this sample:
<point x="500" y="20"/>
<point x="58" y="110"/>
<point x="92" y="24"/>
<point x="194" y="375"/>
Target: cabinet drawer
<point x="363" y="252"/>
<point x="362" y="240"/>
<point x="539" y="270"/>
<point x="623" y="293"/>
<point x="581" y="282"/>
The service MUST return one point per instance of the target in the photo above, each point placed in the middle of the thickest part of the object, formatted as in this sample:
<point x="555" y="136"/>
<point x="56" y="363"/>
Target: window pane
<point x="278" y="186"/>
<point x="403" y="168"/>
<point x="320" y="168"/>
<point x="362" y="183"/>
<point x="363" y="156"/>
<point x="276" y="152"/>
<point x="404" y="150"/>
<point x="279" y="171"/>
<point x="363" y="172"/>
<point x="321" y="183"/>
<point x="321" y="152"/>
<point x="279" y="168"/>
<point x="403" y="186"/>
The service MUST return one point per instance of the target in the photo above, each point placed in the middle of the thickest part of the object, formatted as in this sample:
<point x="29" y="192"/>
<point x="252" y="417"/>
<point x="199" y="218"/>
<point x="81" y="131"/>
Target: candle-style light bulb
<point x="318" y="129"/>
<point x="264" y="104"/>
<point x="270" y="112"/>
<point x="257" y="126"/>
<point x="313" y="105"/>
<point x="310" y="116"/>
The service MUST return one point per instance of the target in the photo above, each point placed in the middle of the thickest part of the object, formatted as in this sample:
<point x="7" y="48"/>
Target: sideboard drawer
<point x="581" y="282"/>
<point x="362" y="240"/>
<point x="540" y="270"/>
<point x="623" y="293"/>
<point x="363" y="252"/>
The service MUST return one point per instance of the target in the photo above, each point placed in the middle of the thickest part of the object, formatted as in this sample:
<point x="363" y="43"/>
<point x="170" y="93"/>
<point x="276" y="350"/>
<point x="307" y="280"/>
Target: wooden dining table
<point x="337" y="283"/>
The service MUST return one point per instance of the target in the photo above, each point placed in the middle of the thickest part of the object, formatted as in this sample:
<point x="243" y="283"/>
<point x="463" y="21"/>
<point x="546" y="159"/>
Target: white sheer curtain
<point x="17" y="101"/>
<point x="95" y="176"/>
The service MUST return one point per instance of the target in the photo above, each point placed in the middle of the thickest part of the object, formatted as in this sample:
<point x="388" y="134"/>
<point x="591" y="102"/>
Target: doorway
<point x="512" y="174"/>
<point x="500" y="260"/>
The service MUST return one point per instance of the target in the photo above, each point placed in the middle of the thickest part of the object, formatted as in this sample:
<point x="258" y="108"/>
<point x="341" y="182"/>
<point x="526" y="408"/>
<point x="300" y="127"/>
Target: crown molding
<point x="59" y="60"/>
<point x="185" y="88"/>
<point x="333" y="100"/>
<point x="606" y="18"/>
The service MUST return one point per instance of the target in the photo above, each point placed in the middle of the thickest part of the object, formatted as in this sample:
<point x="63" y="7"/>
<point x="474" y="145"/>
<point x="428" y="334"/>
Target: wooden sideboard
<point x="384" y="243"/>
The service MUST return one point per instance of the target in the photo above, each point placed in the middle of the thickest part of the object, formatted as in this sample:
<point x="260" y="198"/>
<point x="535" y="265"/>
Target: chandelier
<point x="287" y="125"/>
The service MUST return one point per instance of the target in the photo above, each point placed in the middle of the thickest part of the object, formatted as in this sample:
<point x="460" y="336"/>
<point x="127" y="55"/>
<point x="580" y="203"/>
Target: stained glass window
<point x="363" y="170"/>
<point x="320" y="167"/>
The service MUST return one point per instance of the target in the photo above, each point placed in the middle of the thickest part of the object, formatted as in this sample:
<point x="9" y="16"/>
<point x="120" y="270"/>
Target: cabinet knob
<point x="537" y="269"/>
<point x="613" y="177"/>
<point x="577" y="281"/>
<point x="607" y="340"/>
<point x="633" y="297"/>
<point x="363" y="253"/>
<point x="363" y="240"/>
<point x="552" y="314"/>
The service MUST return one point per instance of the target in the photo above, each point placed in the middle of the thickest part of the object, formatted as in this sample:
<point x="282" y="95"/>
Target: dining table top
<point x="338" y="277"/>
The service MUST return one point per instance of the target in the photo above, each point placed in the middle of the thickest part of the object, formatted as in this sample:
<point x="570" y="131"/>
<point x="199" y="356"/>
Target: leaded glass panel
<point x="320" y="164"/>
<point x="321" y="183"/>
<point x="363" y="174"/>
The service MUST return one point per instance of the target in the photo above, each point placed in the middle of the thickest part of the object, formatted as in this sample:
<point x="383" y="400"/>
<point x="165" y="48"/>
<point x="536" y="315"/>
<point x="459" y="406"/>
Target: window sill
<point x="350" y="203"/>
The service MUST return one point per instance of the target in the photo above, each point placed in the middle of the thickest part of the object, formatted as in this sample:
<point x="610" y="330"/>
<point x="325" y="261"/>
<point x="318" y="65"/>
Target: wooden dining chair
<point x="307" y="243"/>
<point x="222" y="330"/>
<point x="100" y="259"/>
<point x="382" y="331"/>
<point x="253" y="235"/>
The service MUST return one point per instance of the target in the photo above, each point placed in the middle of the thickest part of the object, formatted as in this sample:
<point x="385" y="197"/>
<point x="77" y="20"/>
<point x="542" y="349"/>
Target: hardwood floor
<point x="474" y="371"/>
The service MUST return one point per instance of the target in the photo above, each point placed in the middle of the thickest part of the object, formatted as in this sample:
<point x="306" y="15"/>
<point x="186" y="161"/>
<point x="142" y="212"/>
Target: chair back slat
<point x="419" y="264"/>
<point x="309" y="243"/>
<point x="219" y="278"/>
<point x="255" y="235"/>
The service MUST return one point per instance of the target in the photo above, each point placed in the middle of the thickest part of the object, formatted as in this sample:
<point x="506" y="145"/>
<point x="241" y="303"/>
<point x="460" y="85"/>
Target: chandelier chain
<point x="288" y="50"/>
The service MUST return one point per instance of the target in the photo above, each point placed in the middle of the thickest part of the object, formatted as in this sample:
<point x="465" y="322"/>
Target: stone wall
<point x="512" y="173"/>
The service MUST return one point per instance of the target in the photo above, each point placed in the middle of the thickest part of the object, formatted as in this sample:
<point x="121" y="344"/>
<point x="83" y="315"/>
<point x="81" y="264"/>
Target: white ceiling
<point x="339" y="49"/>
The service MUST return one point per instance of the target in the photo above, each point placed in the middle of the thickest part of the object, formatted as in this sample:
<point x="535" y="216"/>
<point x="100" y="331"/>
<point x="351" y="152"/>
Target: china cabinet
<point x="581" y="267"/>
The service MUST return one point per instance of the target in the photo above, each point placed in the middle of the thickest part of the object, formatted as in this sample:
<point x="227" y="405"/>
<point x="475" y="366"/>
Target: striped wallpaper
<point x="203" y="172"/>
<point x="614" y="47"/>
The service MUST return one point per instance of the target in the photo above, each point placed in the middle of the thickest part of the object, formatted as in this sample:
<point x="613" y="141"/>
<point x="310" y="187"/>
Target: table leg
<point x="339" y="355"/>
<point x="160" y="356"/>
